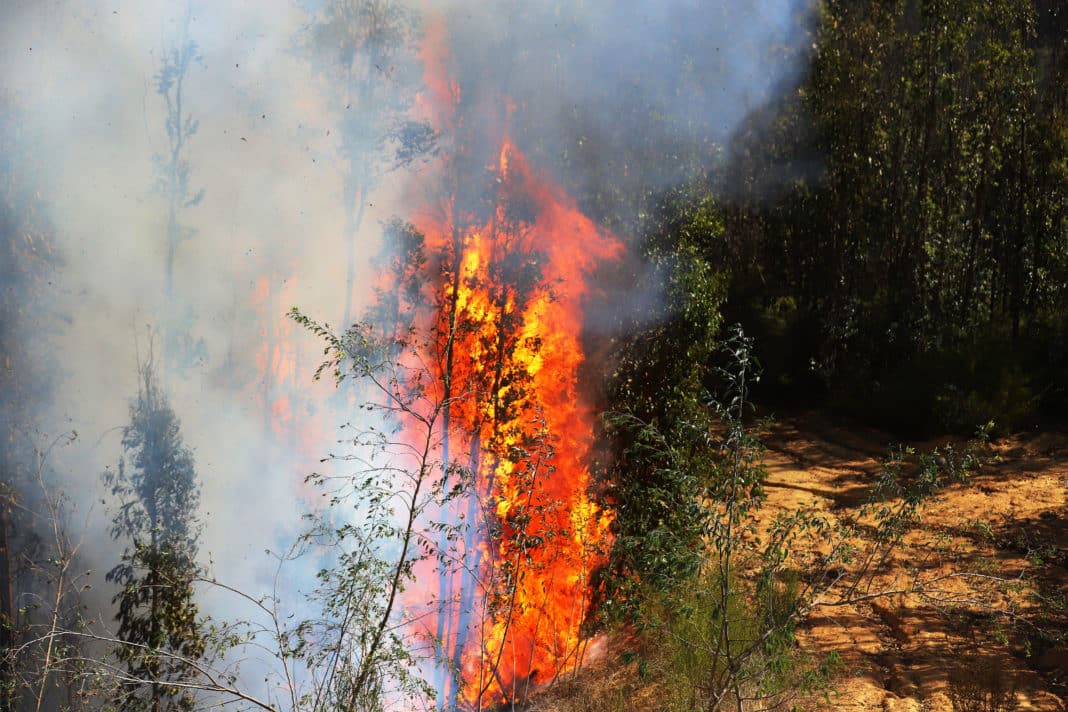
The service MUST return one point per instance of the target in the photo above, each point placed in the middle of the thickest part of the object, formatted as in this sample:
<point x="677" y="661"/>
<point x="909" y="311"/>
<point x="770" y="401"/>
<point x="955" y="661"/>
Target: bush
<point x="704" y="653"/>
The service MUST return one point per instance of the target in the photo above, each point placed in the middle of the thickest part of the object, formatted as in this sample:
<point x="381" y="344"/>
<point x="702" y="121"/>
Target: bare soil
<point x="1009" y="521"/>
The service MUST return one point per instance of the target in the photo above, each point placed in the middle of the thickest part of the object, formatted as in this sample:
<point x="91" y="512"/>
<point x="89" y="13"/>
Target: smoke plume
<point x="613" y="97"/>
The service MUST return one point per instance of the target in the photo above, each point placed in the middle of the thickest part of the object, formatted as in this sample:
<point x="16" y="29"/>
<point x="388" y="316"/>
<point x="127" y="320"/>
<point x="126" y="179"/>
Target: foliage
<point x="724" y="630"/>
<point x="894" y="230"/>
<point x="155" y="485"/>
<point x="913" y="248"/>
<point x="656" y="418"/>
<point x="726" y="625"/>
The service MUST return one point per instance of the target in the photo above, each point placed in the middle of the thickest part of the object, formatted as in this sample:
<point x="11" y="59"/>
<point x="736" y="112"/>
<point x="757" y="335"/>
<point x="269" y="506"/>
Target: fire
<point x="508" y="258"/>
<point x="275" y="359"/>
<point x="506" y="277"/>
<point x="278" y="390"/>
<point x="509" y="320"/>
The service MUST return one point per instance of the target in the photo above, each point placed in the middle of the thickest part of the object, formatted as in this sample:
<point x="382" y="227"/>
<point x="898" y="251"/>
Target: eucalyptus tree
<point x="173" y="172"/>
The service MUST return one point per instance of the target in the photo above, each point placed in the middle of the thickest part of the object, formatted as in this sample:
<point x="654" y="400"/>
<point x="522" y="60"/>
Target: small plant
<point x="984" y="530"/>
<point x="726" y="630"/>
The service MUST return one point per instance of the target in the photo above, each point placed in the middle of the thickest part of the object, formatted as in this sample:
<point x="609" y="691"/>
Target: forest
<point x="603" y="356"/>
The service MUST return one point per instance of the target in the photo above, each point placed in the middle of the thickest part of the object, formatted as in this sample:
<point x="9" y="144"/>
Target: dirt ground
<point x="1008" y="521"/>
<point x="1006" y="529"/>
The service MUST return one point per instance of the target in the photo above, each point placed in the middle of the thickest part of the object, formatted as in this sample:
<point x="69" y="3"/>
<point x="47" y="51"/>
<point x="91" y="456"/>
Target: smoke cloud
<point x="617" y="94"/>
<point x="611" y="96"/>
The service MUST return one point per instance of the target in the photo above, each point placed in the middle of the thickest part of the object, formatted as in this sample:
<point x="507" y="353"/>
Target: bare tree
<point x="49" y="599"/>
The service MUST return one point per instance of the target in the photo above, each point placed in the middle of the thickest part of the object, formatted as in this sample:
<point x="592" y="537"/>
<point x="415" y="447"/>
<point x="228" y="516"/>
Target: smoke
<point x="81" y="80"/>
<point x="613" y="97"/>
<point x="627" y="96"/>
<point x="622" y="102"/>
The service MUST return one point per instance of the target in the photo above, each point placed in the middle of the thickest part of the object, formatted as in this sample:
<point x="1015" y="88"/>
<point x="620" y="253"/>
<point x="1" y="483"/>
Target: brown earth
<point x="1006" y="528"/>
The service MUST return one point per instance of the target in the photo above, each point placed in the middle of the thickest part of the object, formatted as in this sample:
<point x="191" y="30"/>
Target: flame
<point x="275" y="359"/>
<point x="524" y="431"/>
<point x="507" y="276"/>
<point x="279" y="391"/>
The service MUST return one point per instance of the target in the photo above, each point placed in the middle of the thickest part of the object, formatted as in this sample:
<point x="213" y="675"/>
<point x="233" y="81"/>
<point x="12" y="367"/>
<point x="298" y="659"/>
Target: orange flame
<point x="275" y="359"/>
<point x="526" y="432"/>
<point x="507" y="270"/>
<point x="279" y="391"/>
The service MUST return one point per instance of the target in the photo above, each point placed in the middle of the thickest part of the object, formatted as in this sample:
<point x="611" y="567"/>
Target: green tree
<point x="376" y="529"/>
<point x="662" y="370"/>
<point x="158" y="496"/>
<point x="910" y="250"/>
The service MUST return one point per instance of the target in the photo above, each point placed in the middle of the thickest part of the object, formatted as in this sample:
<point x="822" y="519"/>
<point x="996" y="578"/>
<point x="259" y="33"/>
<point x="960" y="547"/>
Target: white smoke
<point x="82" y="76"/>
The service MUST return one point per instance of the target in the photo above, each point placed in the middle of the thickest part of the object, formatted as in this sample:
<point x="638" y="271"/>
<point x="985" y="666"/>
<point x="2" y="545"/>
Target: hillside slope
<point x="910" y="651"/>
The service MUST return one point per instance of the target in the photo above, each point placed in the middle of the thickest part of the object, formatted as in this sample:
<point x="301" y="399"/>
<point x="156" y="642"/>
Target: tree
<point x="661" y="370"/>
<point x="173" y="171"/>
<point x="361" y="654"/>
<point x="364" y="50"/>
<point x="911" y="249"/>
<point x="158" y="496"/>
<point x="51" y="672"/>
<point x="463" y="355"/>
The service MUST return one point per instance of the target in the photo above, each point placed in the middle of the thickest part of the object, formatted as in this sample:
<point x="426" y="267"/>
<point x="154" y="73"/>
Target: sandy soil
<point x="1007" y="522"/>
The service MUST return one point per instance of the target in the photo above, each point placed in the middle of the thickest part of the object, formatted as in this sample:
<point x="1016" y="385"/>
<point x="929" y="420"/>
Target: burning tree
<point x="471" y="352"/>
<point x="482" y="307"/>
<point x="511" y="268"/>
<point x="510" y="258"/>
<point x="158" y="496"/>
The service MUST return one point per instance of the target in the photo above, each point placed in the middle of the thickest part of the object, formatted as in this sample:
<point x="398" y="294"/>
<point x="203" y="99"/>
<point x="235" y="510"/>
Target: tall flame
<point x="276" y="388"/>
<point x="513" y="311"/>
<point x="508" y="256"/>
